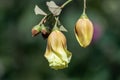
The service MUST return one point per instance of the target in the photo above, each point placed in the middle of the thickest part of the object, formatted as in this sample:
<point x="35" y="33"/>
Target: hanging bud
<point x="84" y="30"/>
<point x="40" y="28"/>
<point x="56" y="52"/>
<point x="35" y="30"/>
<point x="45" y="32"/>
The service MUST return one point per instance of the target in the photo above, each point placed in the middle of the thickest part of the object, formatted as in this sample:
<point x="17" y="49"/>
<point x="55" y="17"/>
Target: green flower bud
<point x="45" y="32"/>
<point x="35" y="30"/>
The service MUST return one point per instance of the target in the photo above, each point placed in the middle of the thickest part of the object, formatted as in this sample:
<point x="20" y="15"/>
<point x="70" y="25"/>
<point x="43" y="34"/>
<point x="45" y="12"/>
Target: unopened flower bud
<point x="45" y="32"/>
<point x="56" y="52"/>
<point x="84" y="31"/>
<point x="35" y="30"/>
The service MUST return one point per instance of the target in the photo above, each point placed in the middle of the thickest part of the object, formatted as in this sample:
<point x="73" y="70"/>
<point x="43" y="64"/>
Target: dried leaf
<point x="39" y="11"/>
<point x="53" y="8"/>
<point x="62" y="28"/>
<point x="52" y="4"/>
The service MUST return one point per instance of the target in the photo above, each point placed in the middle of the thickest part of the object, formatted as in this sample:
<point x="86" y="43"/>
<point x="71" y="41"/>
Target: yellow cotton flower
<point x="84" y="31"/>
<point x="56" y="52"/>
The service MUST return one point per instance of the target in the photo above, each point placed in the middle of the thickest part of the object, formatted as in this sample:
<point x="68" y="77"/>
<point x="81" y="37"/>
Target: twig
<point x="68" y="1"/>
<point x="84" y="9"/>
<point x="41" y="22"/>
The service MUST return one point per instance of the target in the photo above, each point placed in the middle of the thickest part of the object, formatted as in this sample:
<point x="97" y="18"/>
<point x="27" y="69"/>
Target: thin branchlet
<point x="68" y="1"/>
<point x="84" y="8"/>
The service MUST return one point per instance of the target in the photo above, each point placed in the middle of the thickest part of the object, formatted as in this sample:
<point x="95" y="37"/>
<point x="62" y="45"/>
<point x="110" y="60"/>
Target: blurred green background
<point x="22" y="56"/>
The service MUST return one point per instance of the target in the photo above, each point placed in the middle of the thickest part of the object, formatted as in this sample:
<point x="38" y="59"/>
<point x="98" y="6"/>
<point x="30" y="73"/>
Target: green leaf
<point x="53" y="8"/>
<point x="62" y="28"/>
<point x="39" y="11"/>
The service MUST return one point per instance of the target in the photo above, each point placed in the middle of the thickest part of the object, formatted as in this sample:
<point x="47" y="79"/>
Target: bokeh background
<point x="22" y="56"/>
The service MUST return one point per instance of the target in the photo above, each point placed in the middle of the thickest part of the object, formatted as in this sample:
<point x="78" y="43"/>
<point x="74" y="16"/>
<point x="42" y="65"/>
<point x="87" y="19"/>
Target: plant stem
<point x="41" y="22"/>
<point x="84" y="9"/>
<point x="68" y="1"/>
<point x="56" y="22"/>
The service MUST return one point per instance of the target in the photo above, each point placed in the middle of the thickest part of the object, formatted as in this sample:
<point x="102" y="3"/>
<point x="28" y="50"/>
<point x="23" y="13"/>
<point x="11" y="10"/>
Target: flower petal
<point x="84" y="31"/>
<point x="56" y="52"/>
